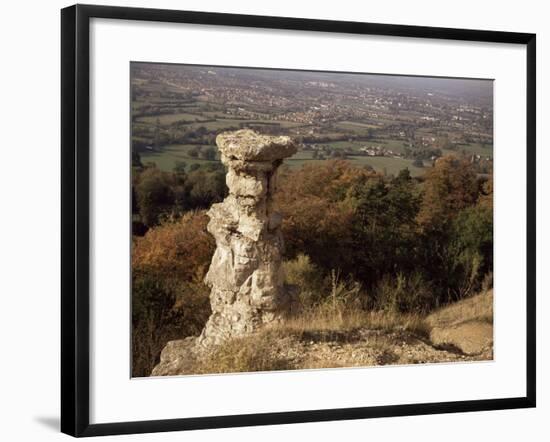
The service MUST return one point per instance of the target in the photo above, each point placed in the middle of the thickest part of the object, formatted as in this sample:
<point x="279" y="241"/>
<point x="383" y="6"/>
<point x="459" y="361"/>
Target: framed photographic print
<point x="275" y="220"/>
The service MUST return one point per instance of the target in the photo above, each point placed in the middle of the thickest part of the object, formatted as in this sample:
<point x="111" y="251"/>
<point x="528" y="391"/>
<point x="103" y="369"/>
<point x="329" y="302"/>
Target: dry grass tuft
<point x="349" y="320"/>
<point x="476" y="308"/>
<point x="247" y="354"/>
<point x="264" y="350"/>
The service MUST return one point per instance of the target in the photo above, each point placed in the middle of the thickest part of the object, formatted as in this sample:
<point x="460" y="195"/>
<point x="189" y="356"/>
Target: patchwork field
<point x="171" y="155"/>
<point x="171" y="118"/>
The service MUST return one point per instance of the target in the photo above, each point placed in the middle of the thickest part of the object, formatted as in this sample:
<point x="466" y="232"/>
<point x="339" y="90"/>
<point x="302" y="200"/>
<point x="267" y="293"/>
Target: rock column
<point x="245" y="275"/>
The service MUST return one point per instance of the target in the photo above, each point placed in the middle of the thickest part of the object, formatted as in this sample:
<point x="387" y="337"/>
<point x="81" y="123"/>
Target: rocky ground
<point x="368" y="348"/>
<point x="461" y="332"/>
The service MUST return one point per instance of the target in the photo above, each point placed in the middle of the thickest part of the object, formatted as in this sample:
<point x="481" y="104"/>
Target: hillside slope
<point x="459" y="332"/>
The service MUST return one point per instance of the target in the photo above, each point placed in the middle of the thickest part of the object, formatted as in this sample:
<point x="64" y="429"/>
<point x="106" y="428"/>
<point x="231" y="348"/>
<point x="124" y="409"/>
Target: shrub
<point x="306" y="276"/>
<point x="155" y="194"/>
<point x="457" y="258"/>
<point x="162" y="311"/>
<point x="343" y="294"/>
<point x="401" y="293"/>
<point x="468" y="256"/>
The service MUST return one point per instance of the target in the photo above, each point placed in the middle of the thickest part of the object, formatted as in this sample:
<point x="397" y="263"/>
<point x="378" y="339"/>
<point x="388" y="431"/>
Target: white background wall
<point x="29" y="219"/>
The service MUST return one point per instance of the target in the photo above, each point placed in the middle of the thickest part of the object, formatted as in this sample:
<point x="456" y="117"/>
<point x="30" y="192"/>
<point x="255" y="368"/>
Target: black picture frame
<point x="75" y="226"/>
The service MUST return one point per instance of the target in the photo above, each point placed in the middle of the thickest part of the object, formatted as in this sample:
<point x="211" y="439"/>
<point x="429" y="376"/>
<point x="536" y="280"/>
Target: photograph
<point x="298" y="220"/>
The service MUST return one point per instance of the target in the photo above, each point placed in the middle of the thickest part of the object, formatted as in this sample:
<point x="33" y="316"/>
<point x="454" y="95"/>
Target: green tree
<point x="206" y="187"/>
<point x="157" y="136"/>
<point x="385" y="228"/>
<point x="136" y="160"/>
<point x="470" y="252"/>
<point x="179" y="167"/>
<point x="154" y="194"/>
<point x="209" y="153"/>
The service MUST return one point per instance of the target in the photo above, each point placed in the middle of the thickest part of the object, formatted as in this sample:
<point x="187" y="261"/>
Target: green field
<point x="300" y="158"/>
<point x="355" y="145"/>
<point x="167" y="119"/>
<point x="354" y="127"/>
<point x="472" y="148"/>
<point x="170" y="155"/>
<point x="196" y="121"/>
<point x="395" y="145"/>
<point x="167" y="159"/>
<point x="391" y="166"/>
<point x="478" y="149"/>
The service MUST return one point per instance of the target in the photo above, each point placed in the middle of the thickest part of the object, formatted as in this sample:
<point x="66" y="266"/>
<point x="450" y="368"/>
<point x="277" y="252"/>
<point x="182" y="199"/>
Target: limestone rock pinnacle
<point x="245" y="275"/>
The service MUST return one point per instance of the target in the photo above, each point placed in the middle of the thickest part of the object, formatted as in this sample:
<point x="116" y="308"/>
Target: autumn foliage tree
<point x="450" y="186"/>
<point x="318" y="211"/>
<point x="169" y="300"/>
<point x="180" y="249"/>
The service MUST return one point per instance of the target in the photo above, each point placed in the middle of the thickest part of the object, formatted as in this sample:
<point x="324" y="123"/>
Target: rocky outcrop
<point x="177" y="357"/>
<point x="245" y="275"/>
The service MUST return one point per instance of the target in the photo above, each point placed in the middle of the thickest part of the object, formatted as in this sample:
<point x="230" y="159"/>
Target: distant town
<point x="382" y="122"/>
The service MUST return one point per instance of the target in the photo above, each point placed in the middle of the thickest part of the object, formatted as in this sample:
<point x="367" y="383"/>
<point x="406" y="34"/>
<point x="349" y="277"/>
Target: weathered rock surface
<point x="466" y="325"/>
<point x="471" y="338"/>
<point x="177" y="357"/>
<point x="245" y="275"/>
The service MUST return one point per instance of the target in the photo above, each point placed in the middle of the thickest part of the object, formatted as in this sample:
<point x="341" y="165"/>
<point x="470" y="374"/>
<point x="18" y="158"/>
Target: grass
<point x="340" y="320"/>
<point x="266" y="350"/>
<point x="247" y="354"/>
<point x="326" y="337"/>
<point x="475" y="308"/>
